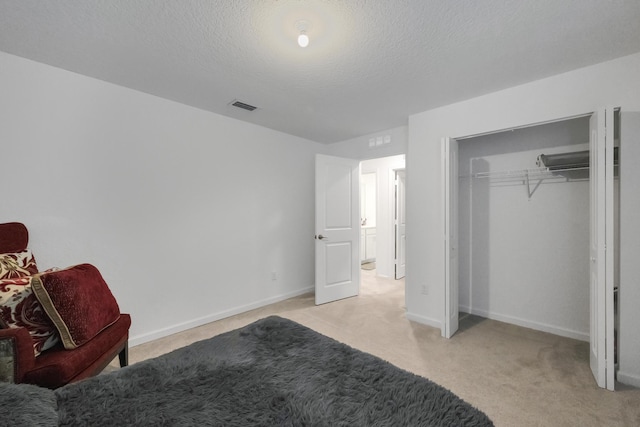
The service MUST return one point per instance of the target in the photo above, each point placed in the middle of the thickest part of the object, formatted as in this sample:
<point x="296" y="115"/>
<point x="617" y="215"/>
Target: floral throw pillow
<point x="17" y="264"/>
<point x="19" y="308"/>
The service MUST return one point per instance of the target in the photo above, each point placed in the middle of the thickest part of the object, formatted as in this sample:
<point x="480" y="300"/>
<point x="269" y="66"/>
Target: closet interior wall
<point x="523" y="255"/>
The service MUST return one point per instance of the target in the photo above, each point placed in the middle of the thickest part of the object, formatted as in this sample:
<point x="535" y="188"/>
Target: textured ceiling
<point x="370" y="63"/>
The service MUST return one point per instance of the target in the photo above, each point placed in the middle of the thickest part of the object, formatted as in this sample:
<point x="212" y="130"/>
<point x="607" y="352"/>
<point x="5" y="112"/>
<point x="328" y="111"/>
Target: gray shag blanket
<point x="273" y="372"/>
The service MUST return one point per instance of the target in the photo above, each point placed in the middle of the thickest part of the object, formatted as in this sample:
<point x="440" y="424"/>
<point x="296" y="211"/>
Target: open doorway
<point x="382" y="216"/>
<point x="338" y="225"/>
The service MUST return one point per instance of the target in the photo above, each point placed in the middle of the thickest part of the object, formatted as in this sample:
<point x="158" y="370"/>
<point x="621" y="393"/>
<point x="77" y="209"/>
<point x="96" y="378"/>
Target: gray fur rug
<point x="273" y="372"/>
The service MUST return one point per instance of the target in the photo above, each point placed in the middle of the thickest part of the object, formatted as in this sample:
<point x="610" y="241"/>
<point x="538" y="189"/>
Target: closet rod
<point x="520" y="174"/>
<point x="525" y="176"/>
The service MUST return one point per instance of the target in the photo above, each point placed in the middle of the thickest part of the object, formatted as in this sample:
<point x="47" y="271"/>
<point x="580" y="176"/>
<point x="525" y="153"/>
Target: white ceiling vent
<point x="242" y="105"/>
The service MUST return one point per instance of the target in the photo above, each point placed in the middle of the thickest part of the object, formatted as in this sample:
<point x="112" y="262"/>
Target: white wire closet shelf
<point x="521" y="174"/>
<point x="526" y="176"/>
<point x="557" y="167"/>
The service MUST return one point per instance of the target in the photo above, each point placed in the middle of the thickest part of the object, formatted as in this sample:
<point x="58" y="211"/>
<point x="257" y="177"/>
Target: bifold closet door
<point x="400" y="225"/>
<point x="601" y="354"/>
<point x="450" y="215"/>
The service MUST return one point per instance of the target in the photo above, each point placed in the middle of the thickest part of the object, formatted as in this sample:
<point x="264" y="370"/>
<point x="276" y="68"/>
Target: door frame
<point x="323" y="236"/>
<point x="385" y="206"/>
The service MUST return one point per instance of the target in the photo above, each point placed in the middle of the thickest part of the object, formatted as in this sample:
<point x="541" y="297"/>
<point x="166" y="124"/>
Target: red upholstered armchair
<point x="58" y="326"/>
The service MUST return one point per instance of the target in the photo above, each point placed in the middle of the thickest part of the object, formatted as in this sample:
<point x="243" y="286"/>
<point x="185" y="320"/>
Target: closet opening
<point x="523" y="231"/>
<point x="526" y="221"/>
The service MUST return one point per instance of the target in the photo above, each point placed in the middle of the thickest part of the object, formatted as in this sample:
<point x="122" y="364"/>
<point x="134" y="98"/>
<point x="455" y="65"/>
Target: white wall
<point x="629" y="296"/>
<point x="186" y="213"/>
<point x="359" y="148"/>
<point x="525" y="260"/>
<point x="384" y="170"/>
<point x="613" y="83"/>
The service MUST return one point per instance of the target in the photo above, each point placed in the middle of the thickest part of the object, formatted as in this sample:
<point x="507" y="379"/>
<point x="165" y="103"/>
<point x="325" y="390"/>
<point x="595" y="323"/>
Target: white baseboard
<point x="160" y="333"/>
<point x="424" y="320"/>
<point x="538" y="326"/>
<point x="628" y="379"/>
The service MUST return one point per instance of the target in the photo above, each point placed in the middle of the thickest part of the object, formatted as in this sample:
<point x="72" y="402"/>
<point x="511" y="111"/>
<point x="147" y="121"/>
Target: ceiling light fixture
<point x="303" y="38"/>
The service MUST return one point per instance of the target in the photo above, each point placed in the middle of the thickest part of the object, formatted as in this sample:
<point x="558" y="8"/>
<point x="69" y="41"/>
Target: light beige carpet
<point x="517" y="376"/>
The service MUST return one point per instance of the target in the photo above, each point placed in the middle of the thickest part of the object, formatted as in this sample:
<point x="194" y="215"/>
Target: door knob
<point x="320" y="237"/>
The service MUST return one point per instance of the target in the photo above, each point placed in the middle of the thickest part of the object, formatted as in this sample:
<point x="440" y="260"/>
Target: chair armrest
<point x="17" y="343"/>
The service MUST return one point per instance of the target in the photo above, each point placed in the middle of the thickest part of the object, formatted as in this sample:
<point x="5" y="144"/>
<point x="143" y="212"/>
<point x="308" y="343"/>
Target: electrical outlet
<point x="274" y="276"/>
<point x="425" y="290"/>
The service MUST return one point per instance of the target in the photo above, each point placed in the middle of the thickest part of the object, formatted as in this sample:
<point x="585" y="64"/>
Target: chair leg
<point x="124" y="355"/>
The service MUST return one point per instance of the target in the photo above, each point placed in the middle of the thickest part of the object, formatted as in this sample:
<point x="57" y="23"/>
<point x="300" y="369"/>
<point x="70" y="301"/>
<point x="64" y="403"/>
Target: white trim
<point x="424" y="320"/>
<point x="629" y="379"/>
<point x="543" y="327"/>
<point x="180" y="327"/>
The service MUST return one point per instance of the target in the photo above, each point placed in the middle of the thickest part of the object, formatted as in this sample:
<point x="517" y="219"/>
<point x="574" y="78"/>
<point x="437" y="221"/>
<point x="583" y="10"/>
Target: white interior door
<point x="400" y="225"/>
<point x="601" y="248"/>
<point x="450" y="214"/>
<point x="337" y="228"/>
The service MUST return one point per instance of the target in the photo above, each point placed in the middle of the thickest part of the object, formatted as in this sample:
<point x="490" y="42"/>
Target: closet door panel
<point x="601" y="237"/>
<point x="450" y="214"/>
